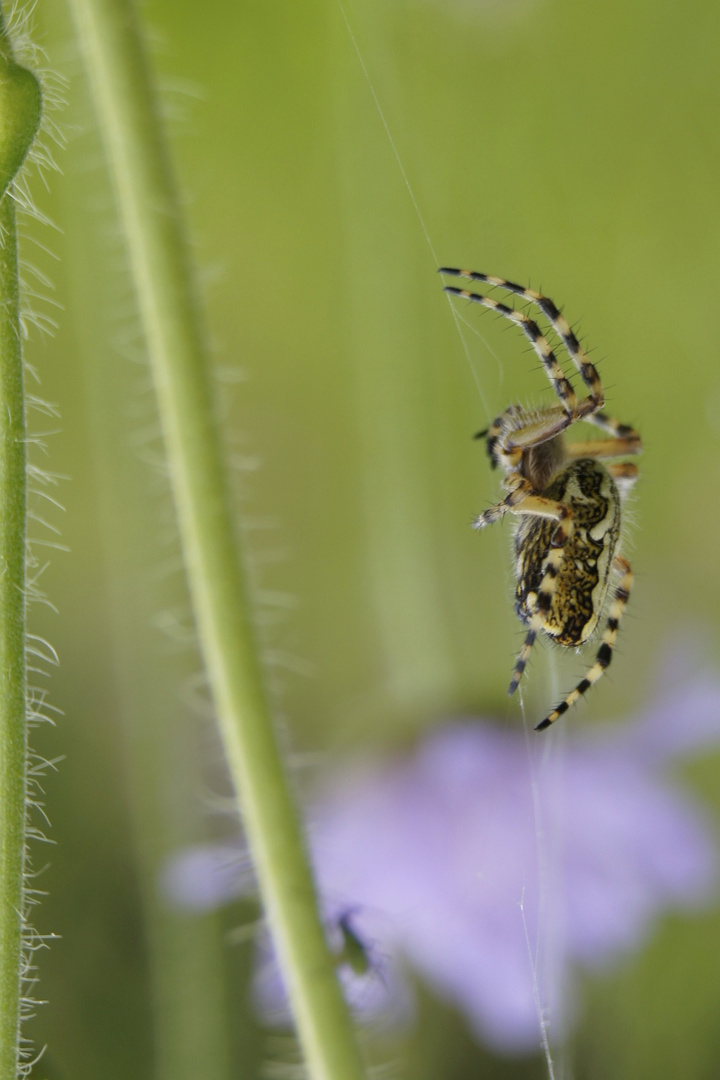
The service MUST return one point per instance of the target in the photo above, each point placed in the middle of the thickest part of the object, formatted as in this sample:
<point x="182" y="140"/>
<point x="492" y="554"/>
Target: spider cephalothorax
<point x="567" y="503"/>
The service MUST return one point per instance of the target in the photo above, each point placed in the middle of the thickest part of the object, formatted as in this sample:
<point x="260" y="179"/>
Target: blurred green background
<point x="572" y="146"/>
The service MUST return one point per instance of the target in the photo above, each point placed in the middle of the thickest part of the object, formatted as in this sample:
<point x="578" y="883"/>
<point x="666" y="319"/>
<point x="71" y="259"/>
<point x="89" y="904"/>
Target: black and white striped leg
<point x="522" y="500"/>
<point x="620" y="431"/>
<point x="588" y="372"/>
<point x="603" y="448"/>
<point x="605" y="652"/>
<point x="523" y="657"/>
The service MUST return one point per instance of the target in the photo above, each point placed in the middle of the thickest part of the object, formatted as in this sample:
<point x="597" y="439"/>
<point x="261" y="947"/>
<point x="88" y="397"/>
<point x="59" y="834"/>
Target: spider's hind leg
<point x="604" y="653"/>
<point x="523" y="657"/>
<point x="625" y="474"/>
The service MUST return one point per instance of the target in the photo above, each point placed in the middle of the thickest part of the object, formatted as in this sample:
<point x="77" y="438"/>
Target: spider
<point x="567" y="503"/>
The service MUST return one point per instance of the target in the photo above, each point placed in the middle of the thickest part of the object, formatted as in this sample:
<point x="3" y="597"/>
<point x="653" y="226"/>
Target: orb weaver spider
<point x="567" y="503"/>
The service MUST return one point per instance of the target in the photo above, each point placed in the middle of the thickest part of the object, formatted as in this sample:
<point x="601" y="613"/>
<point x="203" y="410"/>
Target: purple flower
<point x="495" y="862"/>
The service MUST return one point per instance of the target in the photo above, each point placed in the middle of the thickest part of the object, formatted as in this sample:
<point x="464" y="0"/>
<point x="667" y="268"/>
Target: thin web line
<point x="474" y="330"/>
<point x="391" y="140"/>
<point x="542" y="848"/>
<point x="541" y="842"/>
<point x="413" y="199"/>
<point x="458" y="319"/>
<point x="536" y="994"/>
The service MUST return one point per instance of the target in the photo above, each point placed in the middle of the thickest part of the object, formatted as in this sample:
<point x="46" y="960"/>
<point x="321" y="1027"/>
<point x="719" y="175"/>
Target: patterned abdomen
<point x="577" y="602"/>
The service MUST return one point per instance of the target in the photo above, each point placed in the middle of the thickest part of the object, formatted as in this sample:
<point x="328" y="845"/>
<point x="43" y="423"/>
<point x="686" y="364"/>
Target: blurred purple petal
<point x="435" y="854"/>
<point x="685" y="720"/>
<point x="207" y="876"/>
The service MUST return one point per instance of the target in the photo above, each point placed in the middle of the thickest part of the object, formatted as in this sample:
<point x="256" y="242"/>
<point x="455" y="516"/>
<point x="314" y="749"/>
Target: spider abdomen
<point x="571" y="611"/>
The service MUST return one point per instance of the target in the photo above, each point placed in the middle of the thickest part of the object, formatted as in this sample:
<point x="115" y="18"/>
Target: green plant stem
<point x="186" y="951"/>
<point x="128" y="118"/>
<point x="20" y="107"/>
<point x="13" y="736"/>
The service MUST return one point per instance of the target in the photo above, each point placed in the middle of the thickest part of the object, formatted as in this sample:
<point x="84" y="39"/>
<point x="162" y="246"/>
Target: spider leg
<point x="624" y="471"/>
<point x="523" y="430"/>
<point x="517" y="430"/>
<point x="523" y="500"/>
<point x="604" y="653"/>
<point x="588" y="372"/>
<point x="614" y="427"/>
<point x="521" y="662"/>
<point x="492" y="433"/>
<point x="604" y="448"/>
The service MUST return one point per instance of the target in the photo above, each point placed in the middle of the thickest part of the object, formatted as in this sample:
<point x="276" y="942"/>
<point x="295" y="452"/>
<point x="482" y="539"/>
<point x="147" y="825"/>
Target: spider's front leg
<point x="522" y="500"/>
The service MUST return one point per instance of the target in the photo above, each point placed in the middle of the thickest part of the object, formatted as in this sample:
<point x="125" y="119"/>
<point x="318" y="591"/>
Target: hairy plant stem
<point x="129" y="123"/>
<point x="19" y="118"/>
<point x="13" y="734"/>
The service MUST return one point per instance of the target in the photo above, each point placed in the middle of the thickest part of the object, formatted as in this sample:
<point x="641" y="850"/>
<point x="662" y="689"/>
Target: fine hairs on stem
<point x="114" y="55"/>
<point x="21" y="706"/>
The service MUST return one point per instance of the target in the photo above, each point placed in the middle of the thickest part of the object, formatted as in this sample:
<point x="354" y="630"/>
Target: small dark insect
<point x="567" y="503"/>
<point x="354" y="951"/>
